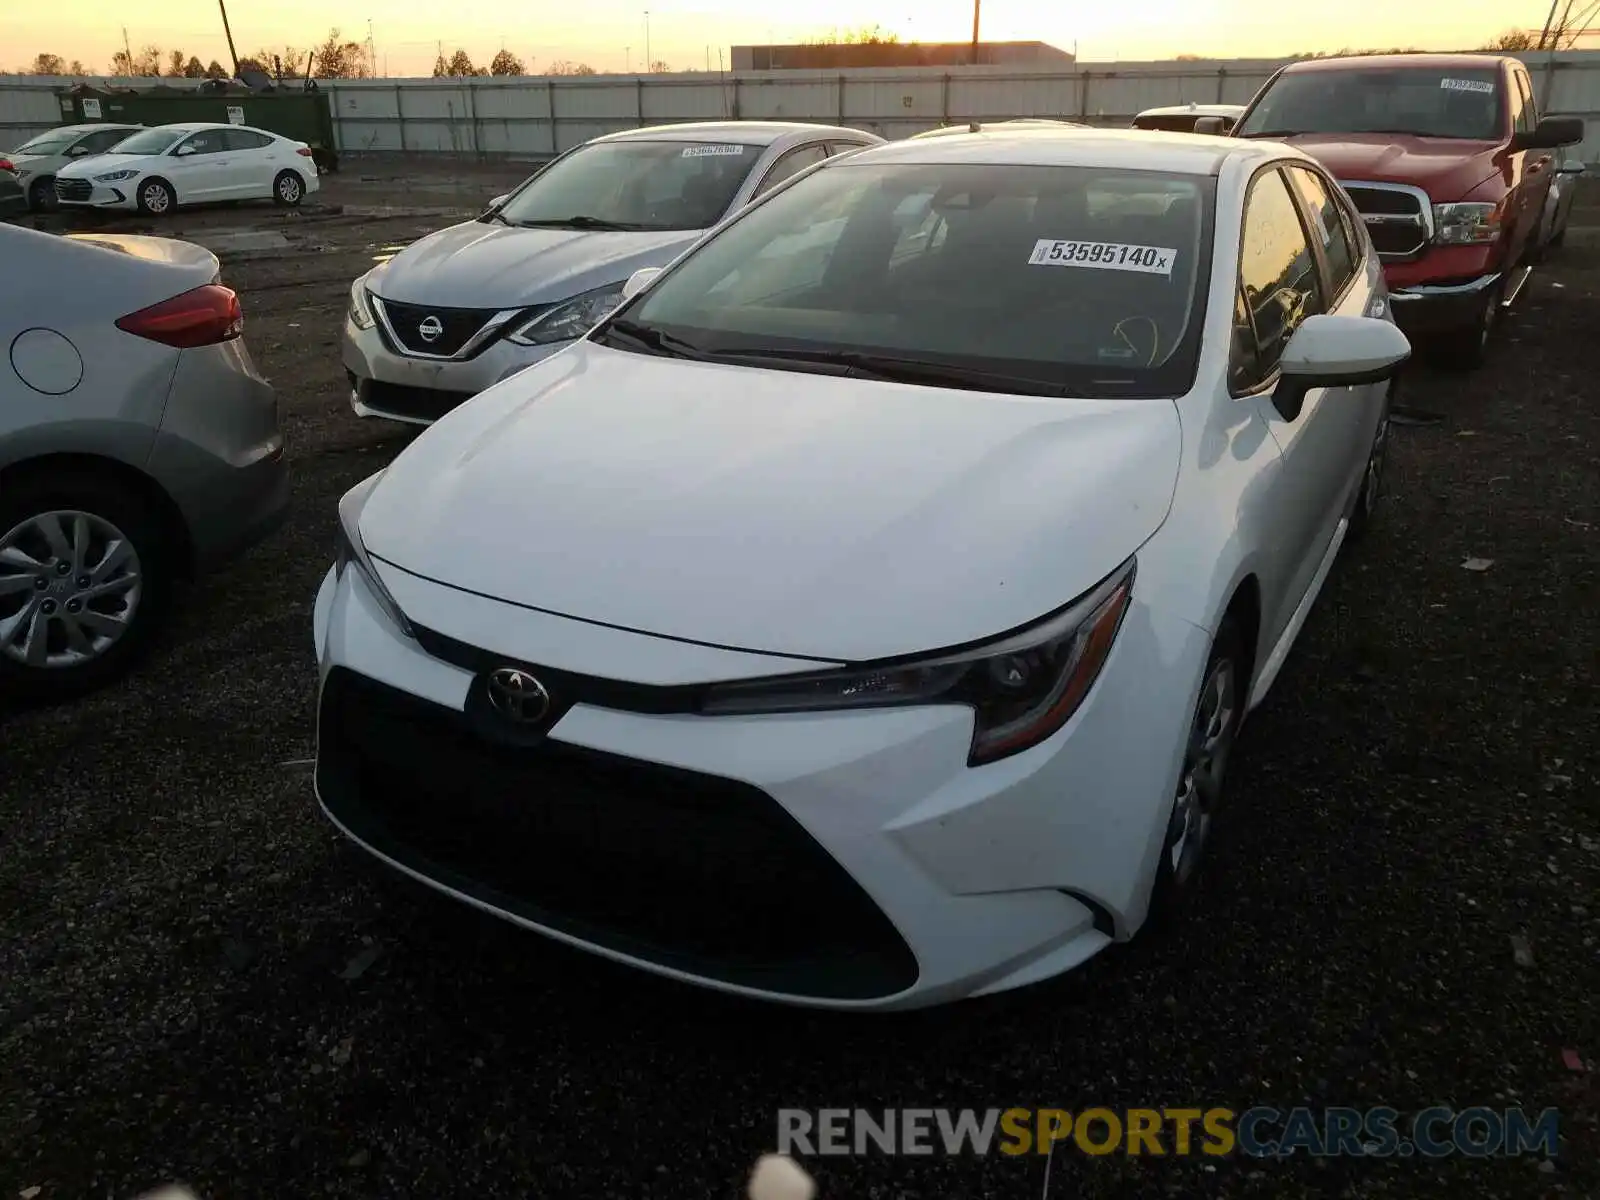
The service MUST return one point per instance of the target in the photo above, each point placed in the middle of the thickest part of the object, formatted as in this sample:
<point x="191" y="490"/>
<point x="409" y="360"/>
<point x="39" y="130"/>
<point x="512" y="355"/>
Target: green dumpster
<point x="292" y="112"/>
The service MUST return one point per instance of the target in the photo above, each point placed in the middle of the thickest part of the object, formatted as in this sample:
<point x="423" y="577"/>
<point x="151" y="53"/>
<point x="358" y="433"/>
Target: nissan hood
<point x="770" y="510"/>
<point x="482" y="264"/>
<point x="1446" y="168"/>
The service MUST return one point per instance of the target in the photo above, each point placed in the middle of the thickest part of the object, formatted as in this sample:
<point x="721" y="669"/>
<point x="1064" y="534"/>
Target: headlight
<point x="360" y="306"/>
<point x="352" y="555"/>
<point x="1465" y="224"/>
<point x="570" y="319"/>
<point x="1022" y="688"/>
<point x="113" y="176"/>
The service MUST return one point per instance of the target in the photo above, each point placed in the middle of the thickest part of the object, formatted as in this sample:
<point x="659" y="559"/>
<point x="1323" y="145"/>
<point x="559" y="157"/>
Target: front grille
<point x="74" y="189"/>
<point x="403" y="400"/>
<point x="695" y="872"/>
<point x="1400" y="227"/>
<point x="456" y="327"/>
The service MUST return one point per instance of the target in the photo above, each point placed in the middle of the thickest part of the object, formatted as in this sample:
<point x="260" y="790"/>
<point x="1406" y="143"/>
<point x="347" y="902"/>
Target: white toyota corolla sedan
<point x="862" y="615"/>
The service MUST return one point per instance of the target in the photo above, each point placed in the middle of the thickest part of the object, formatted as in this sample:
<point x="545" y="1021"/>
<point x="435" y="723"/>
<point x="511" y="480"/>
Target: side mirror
<point x="1215" y="126"/>
<point x="77" y="152"/>
<point x="499" y="200"/>
<point x="183" y="150"/>
<point x="1551" y="132"/>
<point x="1329" y="351"/>
<point x="638" y="281"/>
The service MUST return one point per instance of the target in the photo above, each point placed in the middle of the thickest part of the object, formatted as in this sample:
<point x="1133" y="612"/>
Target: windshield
<point x="1425" y="101"/>
<point x="48" y="143"/>
<point x="1036" y="279"/>
<point x="635" y="184"/>
<point x="151" y="141"/>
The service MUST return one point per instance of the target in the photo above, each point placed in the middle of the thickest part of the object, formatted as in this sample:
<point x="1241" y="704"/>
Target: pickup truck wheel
<point x="1469" y="349"/>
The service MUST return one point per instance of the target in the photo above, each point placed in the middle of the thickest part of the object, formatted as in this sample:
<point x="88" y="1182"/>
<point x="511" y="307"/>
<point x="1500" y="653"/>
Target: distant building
<point x="837" y="55"/>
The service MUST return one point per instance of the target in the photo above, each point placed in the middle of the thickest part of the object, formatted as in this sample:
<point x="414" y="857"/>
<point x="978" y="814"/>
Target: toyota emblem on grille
<point x="518" y="696"/>
<point x="430" y="329"/>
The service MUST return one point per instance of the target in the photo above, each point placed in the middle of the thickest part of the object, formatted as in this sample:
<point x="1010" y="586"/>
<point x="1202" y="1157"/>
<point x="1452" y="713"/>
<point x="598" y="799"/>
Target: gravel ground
<point x="199" y="982"/>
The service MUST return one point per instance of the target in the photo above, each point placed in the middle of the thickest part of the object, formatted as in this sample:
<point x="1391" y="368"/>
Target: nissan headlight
<point x="1466" y="224"/>
<point x="360" y="305"/>
<point x="571" y="318"/>
<point x="1022" y="687"/>
<point x="114" y="176"/>
<point x="352" y="554"/>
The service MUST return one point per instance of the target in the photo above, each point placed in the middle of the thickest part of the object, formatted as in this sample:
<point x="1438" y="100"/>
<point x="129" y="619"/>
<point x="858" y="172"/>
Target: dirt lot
<point x="198" y="982"/>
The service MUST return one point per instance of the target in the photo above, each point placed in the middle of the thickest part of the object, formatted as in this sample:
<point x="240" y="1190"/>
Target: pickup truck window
<point x="1444" y="102"/>
<point x="1527" y="115"/>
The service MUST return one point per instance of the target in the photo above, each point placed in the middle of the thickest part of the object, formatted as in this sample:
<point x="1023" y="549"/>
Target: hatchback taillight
<point x="5" y="165"/>
<point x="204" y="317"/>
<point x="304" y="151"/>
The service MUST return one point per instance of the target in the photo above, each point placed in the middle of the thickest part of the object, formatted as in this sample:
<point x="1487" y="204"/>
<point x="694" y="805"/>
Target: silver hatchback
<point x="138" y="444"/>
<point x="465" y="307"/>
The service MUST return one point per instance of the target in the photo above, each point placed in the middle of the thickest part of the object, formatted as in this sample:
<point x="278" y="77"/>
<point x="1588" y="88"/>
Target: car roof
<point x="1390" y="62"/>
<point x="1199" y="110"/>
<point x="1114" y="149"/>
<point x="748" y="133"/>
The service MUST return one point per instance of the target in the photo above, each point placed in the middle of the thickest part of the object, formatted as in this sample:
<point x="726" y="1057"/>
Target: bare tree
<point x="461" y="65"/>
<point x="193" y="70"/>
<point x="146" y="62"/>
<point x="340" y="58"/>
<point x="1513" y="40"/>
<point x="507" y="63"/>
<point x="865" y="35"/>
<point x="48" y="64"/>
<point x="76" y="67"/>
<point x="563" y="67"/>
<point x="659" y="68"/>
<point x="215" y="70"/>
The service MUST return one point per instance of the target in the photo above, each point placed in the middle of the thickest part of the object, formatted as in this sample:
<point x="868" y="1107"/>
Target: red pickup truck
<point x="1448" y="162"/>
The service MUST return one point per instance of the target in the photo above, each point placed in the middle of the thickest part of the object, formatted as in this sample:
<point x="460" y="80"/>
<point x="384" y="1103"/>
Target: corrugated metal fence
<point x="533" y="117"/>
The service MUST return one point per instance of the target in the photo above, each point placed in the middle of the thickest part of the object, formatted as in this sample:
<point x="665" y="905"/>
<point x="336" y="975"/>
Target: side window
<point x="245" y="139"/>
<point x="1328" y="224"/>
<point x="101" y="141"/>
<point x="1530" y="111"/>
<point x="207" y="141"/>
<point x="1277" y="273"/>
<point x="791" y="164"/>
<point x="837" y="148"/>
<point x="1517" y="97"/>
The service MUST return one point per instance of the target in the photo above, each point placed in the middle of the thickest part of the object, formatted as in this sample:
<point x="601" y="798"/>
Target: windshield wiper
<point x="1272" y="133"/>
<point x="657" y="341"/>
<point x="581" y="222"/>
<point x="494" y="214"/>
<point x="890" y="369"/>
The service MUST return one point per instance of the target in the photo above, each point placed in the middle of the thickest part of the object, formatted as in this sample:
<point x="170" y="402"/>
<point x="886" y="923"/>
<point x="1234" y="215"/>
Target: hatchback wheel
<point x="288" y="189"/>
<point x="1217" y="713"/>
<point x="156" y="197"/>
<point x="83" y="584"/>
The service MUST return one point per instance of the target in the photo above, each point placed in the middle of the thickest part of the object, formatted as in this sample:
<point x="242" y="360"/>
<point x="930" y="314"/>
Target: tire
<point x="1468" y="349"/>
<point x="1558" y="239"/>
<point x="156" y="198"/>
<point x="1371" y="491"/>
<point x="288" y="189"/>
<point x="1199" y="794"/>
<point x="48" y="649"/>
<point x="42" y="195"/>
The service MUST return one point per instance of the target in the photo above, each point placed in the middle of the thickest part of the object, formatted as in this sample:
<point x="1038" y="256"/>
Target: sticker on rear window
<point x="710" y="151"/>
<point x="1466" y="85"/>
<point x="1103" y="256"/>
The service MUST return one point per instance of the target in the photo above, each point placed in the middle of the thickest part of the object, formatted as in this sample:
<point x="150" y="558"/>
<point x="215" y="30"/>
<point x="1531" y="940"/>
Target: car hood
<point x="774" y="511"/>
<point x="101" y="164"/>
<point x="485" y="265"/>
<point x="1446" y="168"/>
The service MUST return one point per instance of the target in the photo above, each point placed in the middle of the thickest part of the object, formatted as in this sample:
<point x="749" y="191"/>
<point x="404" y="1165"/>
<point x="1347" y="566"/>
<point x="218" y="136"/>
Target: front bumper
<point x="419" y="391"/>
<point x="220" y="453"/>
<point x="840" y="860"/>
<point x="1442" y="308"/>
<point x="120" y="195"/>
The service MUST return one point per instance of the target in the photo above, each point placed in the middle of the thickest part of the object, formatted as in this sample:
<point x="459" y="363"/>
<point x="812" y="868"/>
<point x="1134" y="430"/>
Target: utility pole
<point x="649" y="63"/>
<point x="627" y="57"/>
<point x="128" y="50"/>
<point x="975" y="9"/>
<point x="227" y="29"/>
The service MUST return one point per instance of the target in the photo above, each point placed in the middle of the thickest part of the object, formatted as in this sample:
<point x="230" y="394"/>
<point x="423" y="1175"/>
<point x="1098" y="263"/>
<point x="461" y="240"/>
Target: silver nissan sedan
<point x="465" y="307"/>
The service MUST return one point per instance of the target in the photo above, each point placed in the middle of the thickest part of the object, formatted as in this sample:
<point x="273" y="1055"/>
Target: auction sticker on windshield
<point x="1103" y="256"/>
<point x="1466" y="85"/>
<point x="711" y="151"/>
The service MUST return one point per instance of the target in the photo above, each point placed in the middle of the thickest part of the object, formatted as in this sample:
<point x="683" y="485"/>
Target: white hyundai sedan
<point x="863" y="614"/>
<point x="159" y="169"/>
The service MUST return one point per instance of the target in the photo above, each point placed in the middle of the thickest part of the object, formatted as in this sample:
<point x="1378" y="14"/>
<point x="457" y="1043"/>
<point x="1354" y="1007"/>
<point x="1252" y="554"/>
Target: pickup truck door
<point x="1531" y="173"/>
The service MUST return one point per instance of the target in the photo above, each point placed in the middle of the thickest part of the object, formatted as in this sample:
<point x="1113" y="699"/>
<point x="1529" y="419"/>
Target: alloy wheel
<point x="1375" y="462"/>
<point x="1204" y="764"/>
<point x="70" y="586"/>
<point x="289" y="189"/>
<point x="156" y="198"/>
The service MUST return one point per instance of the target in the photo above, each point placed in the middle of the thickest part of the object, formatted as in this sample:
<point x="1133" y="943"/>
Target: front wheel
<point x="42" y="196"/>
<point x="84" y="583"/>
<point x="1372" y="478"/>
<point x="1218" y="712"/>
<point x="1468" y="349"/>
<point x="288" y="189"/>
<point x="156" y="198"/>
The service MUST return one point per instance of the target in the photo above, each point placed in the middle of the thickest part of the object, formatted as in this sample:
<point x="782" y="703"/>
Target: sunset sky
<point x="610" y="35"/>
